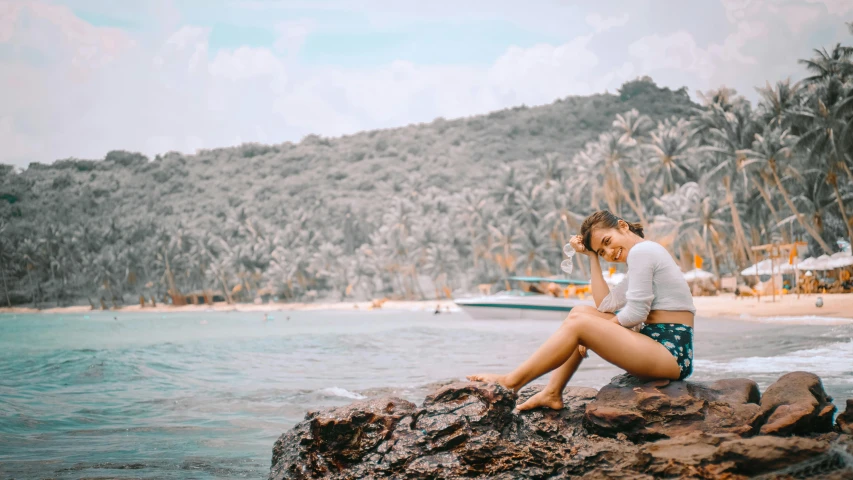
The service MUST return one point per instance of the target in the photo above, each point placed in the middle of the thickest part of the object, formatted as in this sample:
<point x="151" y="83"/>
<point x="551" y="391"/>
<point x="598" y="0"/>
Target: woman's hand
<point x="582" y="351"/>
<point x="577" y="243"/>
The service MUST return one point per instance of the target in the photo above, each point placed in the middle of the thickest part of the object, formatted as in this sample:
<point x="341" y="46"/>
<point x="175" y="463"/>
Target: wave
<point x="342" y="392"/>
<point x="798" y="320"/>
<point x="830" y="360"/>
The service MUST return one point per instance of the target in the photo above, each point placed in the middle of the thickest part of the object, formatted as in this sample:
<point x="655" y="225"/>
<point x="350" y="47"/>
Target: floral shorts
<point x="678" y="339"/>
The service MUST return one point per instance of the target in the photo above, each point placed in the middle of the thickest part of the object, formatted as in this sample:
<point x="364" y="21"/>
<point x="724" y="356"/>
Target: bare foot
<point x="551" y="400"/>
<point x="490" y="378"/>
<point x="660" y="383"/>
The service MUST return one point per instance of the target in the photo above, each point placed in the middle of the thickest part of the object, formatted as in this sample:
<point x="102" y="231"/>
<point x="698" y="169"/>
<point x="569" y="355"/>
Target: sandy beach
<point x="725" y="305"/>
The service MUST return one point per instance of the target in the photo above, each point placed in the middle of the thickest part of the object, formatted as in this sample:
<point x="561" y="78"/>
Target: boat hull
<point x="511" y="307"/>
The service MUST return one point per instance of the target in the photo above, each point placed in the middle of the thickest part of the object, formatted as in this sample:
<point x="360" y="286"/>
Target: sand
<point x="725" y="305"/>
<point x="838" y="305"/>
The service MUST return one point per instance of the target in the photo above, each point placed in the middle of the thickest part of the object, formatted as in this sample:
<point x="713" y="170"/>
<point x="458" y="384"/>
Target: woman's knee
<point x="582" y="310"/>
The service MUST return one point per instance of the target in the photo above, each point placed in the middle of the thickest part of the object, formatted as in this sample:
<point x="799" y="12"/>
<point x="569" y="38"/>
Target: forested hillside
<point x="459" y="201"/>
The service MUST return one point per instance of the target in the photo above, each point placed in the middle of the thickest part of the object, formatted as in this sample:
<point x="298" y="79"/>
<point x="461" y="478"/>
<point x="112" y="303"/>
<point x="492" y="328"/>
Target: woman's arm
<point x="599" y="287"/>
<point x="640" y="291"/>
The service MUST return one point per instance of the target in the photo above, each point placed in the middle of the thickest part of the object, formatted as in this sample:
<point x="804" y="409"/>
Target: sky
<point x="79" y="78"/>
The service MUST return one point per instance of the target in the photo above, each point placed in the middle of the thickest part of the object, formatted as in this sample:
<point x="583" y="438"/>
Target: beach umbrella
<point x="841" y="260"/>
<point x="807" y="264"/>
<point x="766" y="267"/>
<point x="614" y="279"/>
<point x="760" y="268"/>
<point x="823" y="262"/>
<point x="697" y="274"/>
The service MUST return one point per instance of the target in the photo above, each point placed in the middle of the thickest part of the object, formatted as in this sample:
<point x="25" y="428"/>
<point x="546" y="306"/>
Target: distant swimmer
<point x="266" y="317"/>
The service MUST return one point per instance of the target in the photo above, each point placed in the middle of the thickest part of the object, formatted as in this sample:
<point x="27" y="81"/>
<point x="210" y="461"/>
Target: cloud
<point x="602" y="24"/>
<point x="245" y="62"/>
<point x="835" y="7"/>
<point x="73" y="89"/>
<point x="292" y="35"/>
<point x="675" y="51"/>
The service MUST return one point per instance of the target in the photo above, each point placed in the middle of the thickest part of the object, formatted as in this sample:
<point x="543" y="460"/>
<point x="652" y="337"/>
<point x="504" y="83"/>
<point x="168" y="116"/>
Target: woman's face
<point x="613" y="244"/>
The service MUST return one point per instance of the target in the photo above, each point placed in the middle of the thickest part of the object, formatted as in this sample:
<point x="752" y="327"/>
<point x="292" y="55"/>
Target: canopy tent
<point x="841" y="260"/>
<point x="697" y="274"/>
<point x="764" y="268"/>
<point x="823" y="262"/>
<point x="807" y="264"/>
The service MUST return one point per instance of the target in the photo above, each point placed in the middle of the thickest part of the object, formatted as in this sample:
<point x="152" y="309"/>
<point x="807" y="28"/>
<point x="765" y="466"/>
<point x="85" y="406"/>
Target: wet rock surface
<point x="628" y="429"/>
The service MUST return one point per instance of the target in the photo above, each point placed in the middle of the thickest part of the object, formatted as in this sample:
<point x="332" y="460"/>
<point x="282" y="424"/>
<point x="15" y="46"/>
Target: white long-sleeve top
<point x="653" y="282"/>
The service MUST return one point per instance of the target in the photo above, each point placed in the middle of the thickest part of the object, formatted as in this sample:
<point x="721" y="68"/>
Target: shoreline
<point x="835" y="306"/>
<point x="425" y="305"/>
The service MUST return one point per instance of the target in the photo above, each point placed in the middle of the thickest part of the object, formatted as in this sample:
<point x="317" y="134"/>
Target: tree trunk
<point x="32" y="287"/>
<point x="766" y="196"/>
<point x="6" y="289"/>
<point x="843" y="211"/>
<point x="741" y="237"/>
<point x="225" y="288"/>
<point x="807" y="226"/>
<point x="171" y="278"/>
<point x="710" y="245"/>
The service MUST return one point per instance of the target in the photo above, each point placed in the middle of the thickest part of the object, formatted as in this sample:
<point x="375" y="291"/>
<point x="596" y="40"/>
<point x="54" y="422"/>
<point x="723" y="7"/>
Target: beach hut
<point x="697" y="274"/>
<point x="701" y="282"/>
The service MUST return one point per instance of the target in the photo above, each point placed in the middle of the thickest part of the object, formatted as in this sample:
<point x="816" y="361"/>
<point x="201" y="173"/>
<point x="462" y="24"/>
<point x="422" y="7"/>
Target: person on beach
<point x="651" y="336"/>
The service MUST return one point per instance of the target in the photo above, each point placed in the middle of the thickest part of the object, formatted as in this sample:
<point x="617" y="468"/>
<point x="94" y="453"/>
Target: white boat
<point x="516" y="304"/>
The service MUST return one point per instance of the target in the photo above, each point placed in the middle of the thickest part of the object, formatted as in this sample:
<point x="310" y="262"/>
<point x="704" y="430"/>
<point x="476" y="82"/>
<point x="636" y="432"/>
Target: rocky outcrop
<point x="844" y="422"/>
<point x="647" y="412"/>
<point x="796" y="404"/>
<point x="627" y="430"/>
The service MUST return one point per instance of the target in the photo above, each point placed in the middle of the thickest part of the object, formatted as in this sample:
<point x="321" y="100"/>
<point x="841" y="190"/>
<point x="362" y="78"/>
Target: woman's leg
<point x="552" y="395"/>
<point x="625" y="348"/>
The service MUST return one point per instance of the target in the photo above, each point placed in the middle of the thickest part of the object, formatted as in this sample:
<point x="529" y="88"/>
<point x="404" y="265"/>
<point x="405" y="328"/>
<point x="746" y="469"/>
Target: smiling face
<point x="613" y="244"/>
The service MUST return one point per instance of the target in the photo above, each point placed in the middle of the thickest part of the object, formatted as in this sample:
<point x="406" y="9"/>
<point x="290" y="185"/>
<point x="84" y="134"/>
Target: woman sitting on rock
<point x="652" y="335"/>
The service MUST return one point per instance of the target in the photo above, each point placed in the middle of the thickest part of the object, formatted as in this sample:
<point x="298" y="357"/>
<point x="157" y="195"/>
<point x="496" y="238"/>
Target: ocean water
<point x="205" y="395"/>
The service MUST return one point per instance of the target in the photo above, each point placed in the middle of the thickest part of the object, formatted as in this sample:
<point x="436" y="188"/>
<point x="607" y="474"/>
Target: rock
<point x="643" y="411"/>
<point x="332" y="440"/>
<point x="711" y="456"/>
<point x="844" y="421"/>
<point x="470" y="430"/>
<point x="796" y="404"/>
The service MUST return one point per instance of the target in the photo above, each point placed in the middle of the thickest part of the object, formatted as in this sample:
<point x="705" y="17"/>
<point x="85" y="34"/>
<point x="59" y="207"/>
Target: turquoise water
<point x="205" y="395"/>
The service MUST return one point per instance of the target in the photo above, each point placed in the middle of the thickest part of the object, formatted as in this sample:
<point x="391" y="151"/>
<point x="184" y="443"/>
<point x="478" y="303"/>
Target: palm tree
<point x="506" y="237"/>
<point x="771" y="149"/>
<point x="827" y="64"/>
<point x="7" y="258"/>
<point x="668" y="154"/>
<point x="727" y="129"/>
<point x="777" y="104"/>
<point x="631" y="125"/>
<point x="607" y="170"/>
<point x="705" y="225"/>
